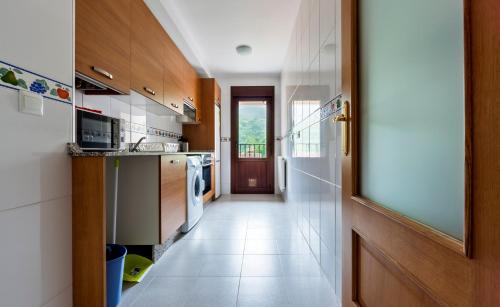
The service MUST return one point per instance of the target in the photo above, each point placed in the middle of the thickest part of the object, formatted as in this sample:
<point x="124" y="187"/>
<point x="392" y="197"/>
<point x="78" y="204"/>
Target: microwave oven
<point x="97" y="132"/>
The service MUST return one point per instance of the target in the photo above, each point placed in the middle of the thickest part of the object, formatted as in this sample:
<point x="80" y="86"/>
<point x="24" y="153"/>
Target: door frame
<point x="252" y="93"/>
<point x="441" y="270"/>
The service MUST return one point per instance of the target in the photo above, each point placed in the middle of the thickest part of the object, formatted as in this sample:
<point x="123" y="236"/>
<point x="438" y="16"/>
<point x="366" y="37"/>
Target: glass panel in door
<point x="252" y="130"/>
<point x="412" y="142"/>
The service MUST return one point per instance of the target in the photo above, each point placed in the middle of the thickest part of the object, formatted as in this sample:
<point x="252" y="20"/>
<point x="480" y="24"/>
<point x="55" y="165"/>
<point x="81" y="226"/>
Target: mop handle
<point x="115" y="200"/>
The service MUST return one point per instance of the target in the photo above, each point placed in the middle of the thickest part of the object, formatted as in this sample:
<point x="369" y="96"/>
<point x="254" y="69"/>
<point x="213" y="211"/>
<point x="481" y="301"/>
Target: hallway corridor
<point x="246" y="251"/>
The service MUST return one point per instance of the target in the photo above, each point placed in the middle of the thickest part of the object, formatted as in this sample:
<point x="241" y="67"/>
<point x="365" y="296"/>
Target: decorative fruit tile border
<point x="21" y="79"/>
<point x="332" y="107"/>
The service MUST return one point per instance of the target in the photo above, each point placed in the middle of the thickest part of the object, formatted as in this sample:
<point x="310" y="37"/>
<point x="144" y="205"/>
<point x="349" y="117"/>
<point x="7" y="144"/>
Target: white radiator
<point x="282" y="173"/>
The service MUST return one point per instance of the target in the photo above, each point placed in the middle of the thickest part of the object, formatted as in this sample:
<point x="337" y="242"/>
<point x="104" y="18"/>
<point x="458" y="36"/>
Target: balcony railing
<point x="252" y="151"/>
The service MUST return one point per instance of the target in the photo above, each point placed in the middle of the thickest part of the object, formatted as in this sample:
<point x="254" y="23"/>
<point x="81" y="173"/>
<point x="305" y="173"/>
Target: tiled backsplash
<point x="142" y="116"/>
<point x="311" y="99"/>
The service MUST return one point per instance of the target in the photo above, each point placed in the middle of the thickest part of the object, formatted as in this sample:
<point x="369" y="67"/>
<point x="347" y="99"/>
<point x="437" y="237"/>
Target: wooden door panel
<point x="253" y="175"/>
<point x="381" y="282"/>
<point x="254" y="171"/>
<point x="419" y="255"/>
<point x="422" y="260"/>
<point x="390" y="260"/>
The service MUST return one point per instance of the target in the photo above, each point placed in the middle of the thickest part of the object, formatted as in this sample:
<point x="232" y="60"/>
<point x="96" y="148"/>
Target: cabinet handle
<point x="174" y="105"/>
<point x="175" y="161"/>
<point x="191" y="98"/>
<point x="150" y="91"/>
<point x="102" y="72"/>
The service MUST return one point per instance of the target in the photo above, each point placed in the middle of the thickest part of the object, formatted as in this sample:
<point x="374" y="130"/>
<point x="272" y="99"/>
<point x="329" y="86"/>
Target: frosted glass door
<point x="412" y="131"/>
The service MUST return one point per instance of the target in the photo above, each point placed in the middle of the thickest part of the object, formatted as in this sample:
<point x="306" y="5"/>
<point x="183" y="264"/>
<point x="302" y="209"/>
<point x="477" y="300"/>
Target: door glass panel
<point x="252" y="129"/>
<point x="412" y="109"/>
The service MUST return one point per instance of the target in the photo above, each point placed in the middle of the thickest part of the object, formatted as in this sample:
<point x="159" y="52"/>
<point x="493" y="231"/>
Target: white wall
<point x="35" y="171"/>
<point x="310" y="82"/>
<point x="243" y="80"/>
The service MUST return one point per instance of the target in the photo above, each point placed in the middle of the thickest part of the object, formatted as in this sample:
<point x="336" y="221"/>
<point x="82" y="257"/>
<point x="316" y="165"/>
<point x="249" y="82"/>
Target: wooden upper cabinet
<point x="180" y="79"/>
<point x="197" y="99"/>
<point x="102" y="43"/>
<point x="202" y="136"/>
<point x="191" y="77"/>
<point x="217" y="93"/>
<point x="172" y="79"/>
<point x="120" y="43"/>
<point x="146" y="67"/>
<point x="192" y="88"/>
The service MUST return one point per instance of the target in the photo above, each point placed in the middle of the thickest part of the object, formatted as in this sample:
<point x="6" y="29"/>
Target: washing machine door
<point x="198" y="186"/>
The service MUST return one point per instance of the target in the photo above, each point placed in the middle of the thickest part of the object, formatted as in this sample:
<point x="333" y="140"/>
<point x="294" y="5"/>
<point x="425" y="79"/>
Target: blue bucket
<point x="115" y="258"/>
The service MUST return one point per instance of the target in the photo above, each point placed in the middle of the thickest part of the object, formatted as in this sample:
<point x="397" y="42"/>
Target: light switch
<point x="30" y="103"/>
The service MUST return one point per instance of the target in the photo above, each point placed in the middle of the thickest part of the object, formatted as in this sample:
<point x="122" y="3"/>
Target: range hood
<point x="93" y="87"/>
<point x="189" y="114"/>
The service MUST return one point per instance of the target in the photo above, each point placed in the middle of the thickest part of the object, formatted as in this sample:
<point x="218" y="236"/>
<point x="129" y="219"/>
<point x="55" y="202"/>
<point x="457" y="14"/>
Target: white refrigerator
<point x="217" y="151"/>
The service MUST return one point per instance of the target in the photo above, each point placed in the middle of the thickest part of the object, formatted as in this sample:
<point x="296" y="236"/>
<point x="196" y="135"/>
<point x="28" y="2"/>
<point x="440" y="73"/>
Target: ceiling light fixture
<point x="244" y="50"/>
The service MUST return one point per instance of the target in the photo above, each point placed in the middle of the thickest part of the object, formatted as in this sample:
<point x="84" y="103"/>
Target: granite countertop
<point x="75" y="151"/>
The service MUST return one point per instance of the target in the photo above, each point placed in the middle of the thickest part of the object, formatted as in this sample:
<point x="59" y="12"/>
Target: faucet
<point x="134" y="148"/>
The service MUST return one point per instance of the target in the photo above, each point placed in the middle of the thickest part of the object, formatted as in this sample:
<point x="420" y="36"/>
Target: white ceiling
<point x="211" y="30"/>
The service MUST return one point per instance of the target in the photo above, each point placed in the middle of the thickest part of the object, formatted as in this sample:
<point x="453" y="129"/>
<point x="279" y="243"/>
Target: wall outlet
<point x="30" y="103"/>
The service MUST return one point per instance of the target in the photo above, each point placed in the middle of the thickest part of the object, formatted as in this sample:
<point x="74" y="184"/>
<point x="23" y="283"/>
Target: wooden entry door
<point x="252" y="140"/>
<point x="398" y="251"/>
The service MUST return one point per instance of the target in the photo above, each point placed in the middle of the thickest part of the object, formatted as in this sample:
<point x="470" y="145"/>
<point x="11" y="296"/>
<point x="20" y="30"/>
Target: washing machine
<point x="195" y="186"/>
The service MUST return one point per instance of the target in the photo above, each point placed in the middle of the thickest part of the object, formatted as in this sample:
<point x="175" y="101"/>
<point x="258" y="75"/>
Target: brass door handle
<point x="340" y="118"/>
<point x="344" y="120"/>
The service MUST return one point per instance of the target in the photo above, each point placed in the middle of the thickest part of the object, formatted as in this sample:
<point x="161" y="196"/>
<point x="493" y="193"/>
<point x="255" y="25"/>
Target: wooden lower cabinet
<point x="89" y="231"/>
<point x="151" y="207"/>
<point x="173" y="199"/>
<point x="151" y="198"/>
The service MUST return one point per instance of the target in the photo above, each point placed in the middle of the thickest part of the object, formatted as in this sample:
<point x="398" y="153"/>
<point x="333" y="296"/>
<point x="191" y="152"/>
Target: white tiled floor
<point x="246" y="251"/>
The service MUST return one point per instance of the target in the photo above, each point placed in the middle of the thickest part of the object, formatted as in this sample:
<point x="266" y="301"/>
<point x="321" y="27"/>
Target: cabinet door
<point x="190" y="80"/>
<point x="197" y="99"/>
<point x="173" y="200"/>
<point x="102" y="42"/>
<point x="146" y="52"/>
<point x="173" y="94"/>
<point x="217" y="93"/>
<point x="193" y="90"/>
<point x="172" y="76"/>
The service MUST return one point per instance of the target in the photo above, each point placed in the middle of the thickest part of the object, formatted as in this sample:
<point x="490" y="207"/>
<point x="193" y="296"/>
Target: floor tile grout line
<point x="242" y="261"/>
<point x="248" y="221"/>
